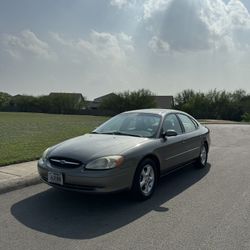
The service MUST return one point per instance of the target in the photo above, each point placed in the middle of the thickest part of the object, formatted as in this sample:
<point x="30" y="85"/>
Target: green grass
<point x="24" y="136"/>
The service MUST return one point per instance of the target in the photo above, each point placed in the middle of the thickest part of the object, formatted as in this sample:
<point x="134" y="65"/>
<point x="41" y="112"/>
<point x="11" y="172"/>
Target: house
<point x="96" y="103"/>
<point x="164" y="102"/>
<point x="102" y="98"/>
<point x="91" y="105"/>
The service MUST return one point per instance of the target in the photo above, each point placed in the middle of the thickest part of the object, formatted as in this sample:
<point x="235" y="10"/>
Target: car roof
<point x="161" y="112"/>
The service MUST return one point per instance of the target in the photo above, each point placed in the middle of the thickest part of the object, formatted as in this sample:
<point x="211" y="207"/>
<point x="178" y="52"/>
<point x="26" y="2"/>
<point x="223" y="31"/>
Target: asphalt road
<point x="191" y="209"/>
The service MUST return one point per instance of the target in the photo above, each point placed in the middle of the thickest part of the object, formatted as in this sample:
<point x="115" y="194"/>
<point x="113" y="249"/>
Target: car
<point x="130" y="151"/>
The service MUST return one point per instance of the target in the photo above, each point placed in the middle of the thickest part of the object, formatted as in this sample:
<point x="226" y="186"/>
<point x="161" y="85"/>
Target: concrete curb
<point x="18" y="183"/>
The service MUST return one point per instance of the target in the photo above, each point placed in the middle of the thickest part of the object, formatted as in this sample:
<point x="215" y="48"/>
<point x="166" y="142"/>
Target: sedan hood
<point x="91" y="146"/>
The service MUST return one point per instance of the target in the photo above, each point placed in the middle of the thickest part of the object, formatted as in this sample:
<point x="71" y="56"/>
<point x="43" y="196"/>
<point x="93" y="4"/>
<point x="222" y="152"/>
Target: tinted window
<point x="188" y="124"/>
<point x="171" y="122"/>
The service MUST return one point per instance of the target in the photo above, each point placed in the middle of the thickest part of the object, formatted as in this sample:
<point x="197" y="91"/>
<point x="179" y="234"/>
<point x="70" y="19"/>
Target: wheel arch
<point x="205" y="142"/>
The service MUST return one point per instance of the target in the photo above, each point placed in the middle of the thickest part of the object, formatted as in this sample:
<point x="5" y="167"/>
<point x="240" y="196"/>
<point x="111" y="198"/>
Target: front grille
<point x="61" y="162"/>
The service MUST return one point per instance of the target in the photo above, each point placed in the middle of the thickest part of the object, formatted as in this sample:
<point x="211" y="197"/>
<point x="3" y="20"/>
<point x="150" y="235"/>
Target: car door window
<point x="188" y="124"/>
<point x="171" y="122"/>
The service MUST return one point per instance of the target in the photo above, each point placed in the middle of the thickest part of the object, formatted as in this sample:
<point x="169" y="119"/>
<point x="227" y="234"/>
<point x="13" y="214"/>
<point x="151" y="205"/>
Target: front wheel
<point x="144" y="180"/>
<point x="202" y="160"/>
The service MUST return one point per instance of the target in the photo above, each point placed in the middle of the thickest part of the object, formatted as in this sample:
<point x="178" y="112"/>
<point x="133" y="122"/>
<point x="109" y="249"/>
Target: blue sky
<point x="101" y="46"/>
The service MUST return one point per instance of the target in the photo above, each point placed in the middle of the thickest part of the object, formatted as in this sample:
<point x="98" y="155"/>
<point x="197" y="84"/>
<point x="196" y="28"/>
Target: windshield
<point x="132" y="124"/>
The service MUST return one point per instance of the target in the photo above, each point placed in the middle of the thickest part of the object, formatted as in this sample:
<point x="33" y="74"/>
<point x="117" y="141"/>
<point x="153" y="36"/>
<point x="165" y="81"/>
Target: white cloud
<point x="158" y="46"/>
<point x="126" y="41"/>
<point x="57" y="37"/>
<point x="146" y="7"/>
<point x="102" y="45"/>
<point x="119" y="3"/>
<point x="199" y="25"/>
<point x="228" y="24"/>
<point x="26" y="42"/>
<point x="152" y="6"/>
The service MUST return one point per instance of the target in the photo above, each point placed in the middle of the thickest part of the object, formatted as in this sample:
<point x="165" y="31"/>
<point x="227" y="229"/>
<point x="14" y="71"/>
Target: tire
<point x="145" y="180"/>
<point x="202" y="159"/>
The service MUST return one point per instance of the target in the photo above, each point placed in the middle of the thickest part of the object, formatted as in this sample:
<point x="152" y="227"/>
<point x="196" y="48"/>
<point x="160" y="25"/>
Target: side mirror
<point x="169" y="133"/>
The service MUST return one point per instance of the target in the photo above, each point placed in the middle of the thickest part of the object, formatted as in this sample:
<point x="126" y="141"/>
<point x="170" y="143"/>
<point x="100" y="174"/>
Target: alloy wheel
<point x="203" y="155"/>
<point x="147" y="179"/>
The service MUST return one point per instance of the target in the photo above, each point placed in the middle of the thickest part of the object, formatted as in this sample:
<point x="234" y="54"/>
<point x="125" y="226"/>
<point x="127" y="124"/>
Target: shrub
<point x="246" y="117"/>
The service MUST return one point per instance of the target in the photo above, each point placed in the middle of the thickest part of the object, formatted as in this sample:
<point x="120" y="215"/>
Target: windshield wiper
<point x="119" y="133"/>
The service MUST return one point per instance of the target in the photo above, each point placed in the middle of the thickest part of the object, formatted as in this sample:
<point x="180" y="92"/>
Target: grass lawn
<point x="24" y="136"/>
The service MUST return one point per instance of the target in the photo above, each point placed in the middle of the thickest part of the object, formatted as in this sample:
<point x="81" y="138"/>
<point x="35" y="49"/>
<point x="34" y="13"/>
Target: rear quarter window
<point x="188" y="123"/>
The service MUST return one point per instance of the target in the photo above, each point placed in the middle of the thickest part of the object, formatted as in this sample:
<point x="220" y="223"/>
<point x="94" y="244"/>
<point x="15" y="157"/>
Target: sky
<point x="95" y="47"/>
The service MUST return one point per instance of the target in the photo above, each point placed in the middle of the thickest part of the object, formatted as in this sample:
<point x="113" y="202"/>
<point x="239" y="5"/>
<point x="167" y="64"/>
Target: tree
<point x="214" y="104"/>
<point x="23" y="103"/>
<point x="65" y="103"/>
<point x="4" y="100"/>
<point x="129" y="100"/>
<point x="245" y="103"/>
<point x="44" y="104"/>
<point x="61" y="103"/>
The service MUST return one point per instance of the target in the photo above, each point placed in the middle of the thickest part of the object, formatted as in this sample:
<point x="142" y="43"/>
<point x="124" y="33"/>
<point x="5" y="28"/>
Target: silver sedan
<point x="130" y="151"/>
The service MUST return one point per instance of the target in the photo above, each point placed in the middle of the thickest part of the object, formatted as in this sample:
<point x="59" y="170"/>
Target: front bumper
<point x="89" y="181"/>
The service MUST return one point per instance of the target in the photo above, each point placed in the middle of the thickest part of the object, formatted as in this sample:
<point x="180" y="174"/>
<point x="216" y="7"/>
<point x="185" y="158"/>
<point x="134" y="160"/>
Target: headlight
<point x="45" y="153"/>
<point x="107" y="162"/>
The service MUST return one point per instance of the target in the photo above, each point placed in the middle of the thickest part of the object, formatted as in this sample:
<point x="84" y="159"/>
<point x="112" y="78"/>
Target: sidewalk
<point x="17" y="176"/>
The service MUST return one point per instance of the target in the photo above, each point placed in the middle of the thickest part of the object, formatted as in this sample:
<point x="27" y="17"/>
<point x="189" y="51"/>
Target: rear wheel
<point x="202" y="160"/>
<point x="144" y="180"/>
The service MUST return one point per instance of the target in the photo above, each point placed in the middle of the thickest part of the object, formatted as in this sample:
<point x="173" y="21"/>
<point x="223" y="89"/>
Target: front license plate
<point x="55" y="178"/>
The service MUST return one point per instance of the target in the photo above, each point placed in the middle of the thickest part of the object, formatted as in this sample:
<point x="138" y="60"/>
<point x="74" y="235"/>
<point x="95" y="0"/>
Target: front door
<point x="172" y="148"/>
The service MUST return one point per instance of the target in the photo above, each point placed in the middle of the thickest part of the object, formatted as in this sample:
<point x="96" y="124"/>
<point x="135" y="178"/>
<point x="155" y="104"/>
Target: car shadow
<point x="80" y="216"/>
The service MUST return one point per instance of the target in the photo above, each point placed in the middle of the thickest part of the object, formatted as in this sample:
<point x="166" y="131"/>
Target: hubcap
<point x="203" y="155"/>
<point x="147" y="179"/>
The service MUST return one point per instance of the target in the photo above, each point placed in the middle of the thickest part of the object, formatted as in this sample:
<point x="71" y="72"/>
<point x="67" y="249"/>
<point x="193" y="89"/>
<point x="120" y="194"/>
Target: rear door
<point x="191" y="139"/>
